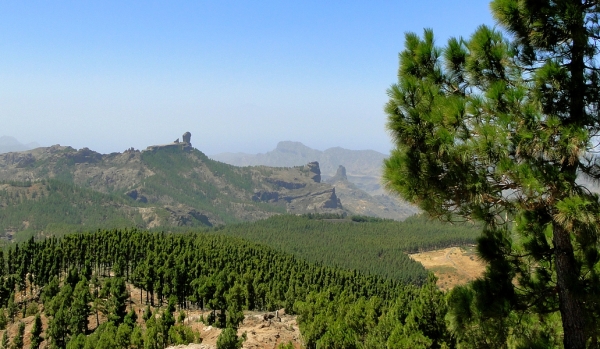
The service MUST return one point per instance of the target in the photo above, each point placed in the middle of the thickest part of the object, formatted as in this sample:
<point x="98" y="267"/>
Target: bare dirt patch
<point x="260" y="331"/>
<point x="453" y="266"/>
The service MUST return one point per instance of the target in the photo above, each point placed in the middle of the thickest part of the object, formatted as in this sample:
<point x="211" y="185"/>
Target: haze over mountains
<point x="10" y="144"/>
<point x="363" y="167"/>
<point x="356" y="175"/>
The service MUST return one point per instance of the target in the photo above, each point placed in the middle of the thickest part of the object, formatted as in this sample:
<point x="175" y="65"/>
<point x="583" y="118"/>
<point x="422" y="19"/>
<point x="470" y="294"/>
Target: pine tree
<point x="228" y="339"/>
<point x="17" y="342"/>
<point x="58" y="328"/>
<point x="13" y="308"/>
<point x="137" y="338"/>
<point x="36" y="332"/>
<point x="118" y="300"/>
<point x="498" y="132"/>
<point x="5" y="342"/>
<point x="235" y="301"/>
<point x="80" y="308"/>
<point x="3" y="319"/>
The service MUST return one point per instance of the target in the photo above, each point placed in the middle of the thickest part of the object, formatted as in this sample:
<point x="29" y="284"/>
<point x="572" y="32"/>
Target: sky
<point x="239" y="75"/>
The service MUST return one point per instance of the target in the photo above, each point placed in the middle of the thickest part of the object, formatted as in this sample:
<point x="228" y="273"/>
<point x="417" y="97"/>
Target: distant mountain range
<point x="363" y="167"/>
<point x="10" y="144"/>
<point x="52" y="190"/>
<point x="361" y="174"/>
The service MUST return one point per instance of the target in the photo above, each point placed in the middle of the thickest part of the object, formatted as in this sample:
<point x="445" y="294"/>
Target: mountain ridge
<point x="362" y="174"/>
<point x="10" y="144"/>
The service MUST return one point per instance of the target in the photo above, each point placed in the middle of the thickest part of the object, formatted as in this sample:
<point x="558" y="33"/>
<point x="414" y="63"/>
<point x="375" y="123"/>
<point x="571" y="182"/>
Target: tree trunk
<point x="567" y="274"/>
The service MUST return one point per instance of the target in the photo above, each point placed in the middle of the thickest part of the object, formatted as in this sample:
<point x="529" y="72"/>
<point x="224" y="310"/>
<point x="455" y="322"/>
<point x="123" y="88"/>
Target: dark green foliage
<point x="131" y="318"/>
<point x="123" y="336"/>
<point x="62" y="207"/>
<point x="225" y="274"/>
<point x="58" y="328"/>
<point x="137" y="338"/>
<point x="153" y="337"/>
<point x="228" y="339"/>
<point x="336" y="319"/>
<point x="107" y="338"/>
<point x="36" y="332"/>
<point x="374" y="246"/>
<point x="5" y="341"/>
<point x="17" y="342"/>
<point x="80" y="308"/>
<point x="174" y="175"/>
<point x="12" y="307"/>
<point x="504" y="131"/>
<point x="182" y="335"/>
<point x="116" y="302"/>
<point x="147" y="313"/>
<point x="181" y="317"/>
<point x="235" y="302"/>
<point x="77" y="342"/>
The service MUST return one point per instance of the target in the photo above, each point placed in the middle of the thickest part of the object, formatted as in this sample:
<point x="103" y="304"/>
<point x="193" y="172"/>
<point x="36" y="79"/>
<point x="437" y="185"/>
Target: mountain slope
<point x="361" y="187"/>
<point x="163" y="186"/>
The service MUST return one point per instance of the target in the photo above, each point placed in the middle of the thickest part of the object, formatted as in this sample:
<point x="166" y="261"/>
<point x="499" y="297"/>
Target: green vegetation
<point x="175" y="176"/>
<point x="337" y="308"/>
<point x="378" y="247"/>
<point x="54" y="207"/>
<point x="223" y="274"/>
<point x="498" y="131"/>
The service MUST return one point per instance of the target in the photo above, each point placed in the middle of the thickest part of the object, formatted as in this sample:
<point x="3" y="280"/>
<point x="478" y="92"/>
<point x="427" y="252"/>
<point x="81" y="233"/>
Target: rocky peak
<point x="187" y="138"/>
<point x="340" y="175"/>
<point x="315" y="171"/>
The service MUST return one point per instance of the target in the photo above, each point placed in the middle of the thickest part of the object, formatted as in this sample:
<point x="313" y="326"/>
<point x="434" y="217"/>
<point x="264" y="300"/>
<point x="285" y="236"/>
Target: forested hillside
<point x="54" y="207"/>
<point x="81" y="274"/>
<point x="373" y="246"/>
<point x="85" y="276"/>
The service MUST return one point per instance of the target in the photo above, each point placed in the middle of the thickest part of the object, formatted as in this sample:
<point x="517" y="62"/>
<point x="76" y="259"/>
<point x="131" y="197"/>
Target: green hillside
<point x="52" y="207"/>
<point x="373" y="246"/>
<point x="60" y="189"/>
<point x="175" y="177"/>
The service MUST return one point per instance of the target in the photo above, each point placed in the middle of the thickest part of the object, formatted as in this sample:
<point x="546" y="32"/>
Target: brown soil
<point x="260" y="333"/>
<point x="263" y="329"/>
<point x="453" y="266"/>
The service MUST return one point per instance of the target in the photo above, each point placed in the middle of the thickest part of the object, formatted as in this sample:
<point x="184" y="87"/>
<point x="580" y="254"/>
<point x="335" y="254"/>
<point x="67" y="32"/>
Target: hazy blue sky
<point x="239" y="75"/>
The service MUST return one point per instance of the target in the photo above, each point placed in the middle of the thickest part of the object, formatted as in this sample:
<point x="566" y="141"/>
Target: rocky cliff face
<point x="300" y="190"/>
<point x="363" y="166"/>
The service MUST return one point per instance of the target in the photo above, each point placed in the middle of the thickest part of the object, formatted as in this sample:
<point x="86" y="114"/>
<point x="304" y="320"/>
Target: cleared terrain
<point x="453" y="266"/>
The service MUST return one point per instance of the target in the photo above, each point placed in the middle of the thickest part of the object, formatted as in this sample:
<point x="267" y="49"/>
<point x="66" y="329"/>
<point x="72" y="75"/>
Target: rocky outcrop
<point x="266" y="196"/>
<point x="18" y="160"/>
<point x="187" y="138"/>
<point x="324" y="200"/>
<point x="285" y="184"/>
<point x="340" y="175"/>
<point x="185" y="145"/>
<point x="314" y="170"/>
<point x="135" y="195"/>
<point x="85" y="155"/>
<point x="182" y="216"/>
